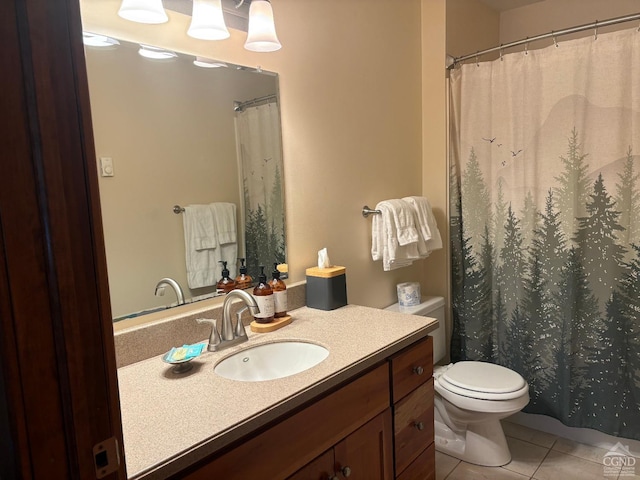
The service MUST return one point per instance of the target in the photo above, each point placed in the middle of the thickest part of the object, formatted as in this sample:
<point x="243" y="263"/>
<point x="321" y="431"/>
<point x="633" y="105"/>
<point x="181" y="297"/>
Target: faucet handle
<point x="239" y="330"/>
<point x="214" y="338"/>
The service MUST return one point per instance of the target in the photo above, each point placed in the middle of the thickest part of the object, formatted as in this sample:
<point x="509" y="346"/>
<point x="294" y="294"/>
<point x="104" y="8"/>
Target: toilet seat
<point x="482" y="381"/>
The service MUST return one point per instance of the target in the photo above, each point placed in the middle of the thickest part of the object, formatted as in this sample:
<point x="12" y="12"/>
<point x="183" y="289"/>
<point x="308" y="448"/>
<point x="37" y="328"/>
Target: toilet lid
<point x="483" y="377"/>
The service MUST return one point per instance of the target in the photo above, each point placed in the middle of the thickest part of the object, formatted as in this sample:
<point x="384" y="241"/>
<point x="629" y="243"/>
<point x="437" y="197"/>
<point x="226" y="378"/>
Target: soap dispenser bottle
<point x="226" y="283"/>
<point x="264" y="298"/>
<point x="243" y="280"/>
<point x="279" y="293"/>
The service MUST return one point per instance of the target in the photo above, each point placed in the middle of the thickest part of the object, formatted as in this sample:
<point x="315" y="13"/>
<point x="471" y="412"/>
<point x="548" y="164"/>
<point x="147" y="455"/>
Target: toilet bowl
<point x="470" y="399"/>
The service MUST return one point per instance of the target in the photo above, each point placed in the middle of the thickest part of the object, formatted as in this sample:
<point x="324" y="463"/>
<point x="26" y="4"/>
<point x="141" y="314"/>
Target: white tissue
<point x="323" y="259"/>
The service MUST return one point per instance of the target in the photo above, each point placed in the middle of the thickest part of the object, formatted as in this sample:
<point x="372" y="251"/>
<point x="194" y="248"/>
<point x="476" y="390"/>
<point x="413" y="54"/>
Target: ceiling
<point x="502" y="5"/>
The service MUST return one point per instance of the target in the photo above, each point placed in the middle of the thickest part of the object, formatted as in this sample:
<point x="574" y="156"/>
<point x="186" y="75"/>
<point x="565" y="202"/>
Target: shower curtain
<point x="545" y="225"/>
<point x="259" y="143"/>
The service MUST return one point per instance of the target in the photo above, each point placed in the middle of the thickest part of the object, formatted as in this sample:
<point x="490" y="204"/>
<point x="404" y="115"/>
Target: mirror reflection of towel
<point x="201" y="241"/>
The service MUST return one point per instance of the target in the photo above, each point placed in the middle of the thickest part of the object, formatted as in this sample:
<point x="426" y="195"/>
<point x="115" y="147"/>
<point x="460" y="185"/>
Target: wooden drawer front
<point x="411" y="368"/>
<point x="413" y="425"/>
<point x="291" y="444"/>
<point x="423" y="467"/>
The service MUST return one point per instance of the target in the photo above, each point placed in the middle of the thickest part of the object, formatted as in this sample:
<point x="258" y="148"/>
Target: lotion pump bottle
<point x="226" y="283"/>
<point x="279" y="293"/>
<point x="243" y="280"/>
<point x="264" y="298"/>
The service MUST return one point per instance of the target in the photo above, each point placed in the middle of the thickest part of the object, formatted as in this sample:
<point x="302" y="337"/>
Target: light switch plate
<point x="106" y="166"/>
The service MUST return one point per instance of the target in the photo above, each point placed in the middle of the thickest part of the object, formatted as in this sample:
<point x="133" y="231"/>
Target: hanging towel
<point x="224" y="215"/>
<point x="403" y="216"/>
<point x="426" y="222"/>
<point x="385" y="245"/>
<point x="201" y="242"/>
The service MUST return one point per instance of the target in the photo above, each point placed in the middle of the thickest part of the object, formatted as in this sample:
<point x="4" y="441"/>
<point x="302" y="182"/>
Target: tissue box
<point x="326" y="287"/>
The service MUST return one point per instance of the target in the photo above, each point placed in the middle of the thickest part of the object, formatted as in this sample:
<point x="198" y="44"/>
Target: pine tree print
<point x="597" y="242"/>
<point x="573" y="192"/>
<point x="512" y="255"/>
<point x="499" y="217"/>
<point x="476" y="202"/>
<point x="529" y="220"/>
<point x="627" y="200"/>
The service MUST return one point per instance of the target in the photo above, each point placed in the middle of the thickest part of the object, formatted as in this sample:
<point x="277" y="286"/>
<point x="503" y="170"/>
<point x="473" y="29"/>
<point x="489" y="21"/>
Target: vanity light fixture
<point x="143" y="11"/>
<point x="207" y="22"/>
<point x="262" y="30"/>
<point x="208" y="63"/>
<point x="156" y="53"/>
<point x="95" y="40"/>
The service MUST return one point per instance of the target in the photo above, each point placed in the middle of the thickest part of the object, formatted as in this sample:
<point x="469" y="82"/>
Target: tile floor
<point x="537" y="456"/>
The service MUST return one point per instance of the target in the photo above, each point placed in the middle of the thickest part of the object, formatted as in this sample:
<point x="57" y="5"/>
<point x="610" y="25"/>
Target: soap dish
<point x="179" y="366"/>
<point x="271" y="326"/>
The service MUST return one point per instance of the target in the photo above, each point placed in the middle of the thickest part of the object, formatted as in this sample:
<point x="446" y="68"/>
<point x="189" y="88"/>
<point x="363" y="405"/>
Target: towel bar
<point x="366" y="211"/>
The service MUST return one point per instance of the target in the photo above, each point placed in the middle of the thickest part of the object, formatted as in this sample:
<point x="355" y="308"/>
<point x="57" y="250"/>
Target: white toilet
<point x="470" y="399"/>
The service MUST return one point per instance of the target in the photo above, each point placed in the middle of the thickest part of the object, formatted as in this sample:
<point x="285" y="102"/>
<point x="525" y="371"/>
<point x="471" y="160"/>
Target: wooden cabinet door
<point x="319" y="469"/>
<point x="366" y="454"/>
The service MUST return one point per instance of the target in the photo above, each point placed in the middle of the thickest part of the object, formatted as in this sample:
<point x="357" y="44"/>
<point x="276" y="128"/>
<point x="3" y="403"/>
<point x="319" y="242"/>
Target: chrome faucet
<point x="172" y="283"/>
<point x="228" y="334"/>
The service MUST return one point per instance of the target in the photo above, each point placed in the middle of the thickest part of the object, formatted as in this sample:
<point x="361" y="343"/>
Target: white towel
<point x="385" y="245"/>
<point x="225" y="218"/>
<point x="200" y="241"/>
<point x="403" y="216"/>
<point x="426" y="222"/>
<point x="224" y="215"/>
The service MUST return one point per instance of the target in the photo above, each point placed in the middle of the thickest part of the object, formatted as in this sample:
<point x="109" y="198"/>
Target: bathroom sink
<point x="271" y="360"/>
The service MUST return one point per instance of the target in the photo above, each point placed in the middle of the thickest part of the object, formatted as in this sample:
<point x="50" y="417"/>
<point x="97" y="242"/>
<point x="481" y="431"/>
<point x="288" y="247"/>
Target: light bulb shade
<point x="143" y="11"/>
<point x="207" y="22"/>
<point x="262" y="29"/>
<point x="156" y="53"/>
<point x="95" y="40"/>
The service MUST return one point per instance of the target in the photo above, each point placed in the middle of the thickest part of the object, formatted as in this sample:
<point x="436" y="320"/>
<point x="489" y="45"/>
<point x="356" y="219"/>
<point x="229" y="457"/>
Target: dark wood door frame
<point x="58" y="384"/>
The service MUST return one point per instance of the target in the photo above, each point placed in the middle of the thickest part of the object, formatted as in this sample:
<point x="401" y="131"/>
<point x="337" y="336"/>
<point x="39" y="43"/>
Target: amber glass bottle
<point x="264" y="298"/>
<point x="226" y="283"/>
<point x="279" y="293"/>
<point x="243" y="280"/>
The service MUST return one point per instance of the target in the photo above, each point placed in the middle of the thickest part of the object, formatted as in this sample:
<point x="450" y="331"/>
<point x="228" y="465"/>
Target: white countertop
<point x="169" y="421"/>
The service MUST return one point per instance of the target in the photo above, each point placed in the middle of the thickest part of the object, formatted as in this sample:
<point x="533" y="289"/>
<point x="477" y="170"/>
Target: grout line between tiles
<point x="543" y="459"/>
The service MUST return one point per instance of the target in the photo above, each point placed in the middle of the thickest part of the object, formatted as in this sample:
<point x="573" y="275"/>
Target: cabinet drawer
<point x="423" y="467"/>
<point x="413" y="425"/>
<point x="411" y="368"/>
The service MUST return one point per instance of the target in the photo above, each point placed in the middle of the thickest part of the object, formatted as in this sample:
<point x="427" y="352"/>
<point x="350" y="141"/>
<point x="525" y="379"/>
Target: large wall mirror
<point x="167" y="133"/>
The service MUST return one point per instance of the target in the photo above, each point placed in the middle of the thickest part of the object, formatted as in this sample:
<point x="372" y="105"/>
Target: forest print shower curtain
<point x="545" y="225"/>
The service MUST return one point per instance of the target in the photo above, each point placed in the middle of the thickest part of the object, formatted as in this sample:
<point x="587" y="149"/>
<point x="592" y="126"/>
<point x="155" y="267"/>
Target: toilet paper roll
<point x="408" y="294"/>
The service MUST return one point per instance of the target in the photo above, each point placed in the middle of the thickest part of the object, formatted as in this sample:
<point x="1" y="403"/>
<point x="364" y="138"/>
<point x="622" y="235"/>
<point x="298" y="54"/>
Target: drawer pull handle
<point x="346" y="471"/>
<point x="418" y="370"/>
<point x="419" y="425"/>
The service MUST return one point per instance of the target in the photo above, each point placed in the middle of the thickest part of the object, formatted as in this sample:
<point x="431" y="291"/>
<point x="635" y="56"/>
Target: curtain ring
<point x="555" y="42"/>
<point x="526" y="46"/>
<point x="477" y="63"/>
<point x="501" y="59"/>
<point x="595" y="31"/>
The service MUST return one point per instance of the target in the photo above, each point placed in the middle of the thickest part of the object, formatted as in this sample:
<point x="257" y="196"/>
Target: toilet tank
<point x="429" y="307"/>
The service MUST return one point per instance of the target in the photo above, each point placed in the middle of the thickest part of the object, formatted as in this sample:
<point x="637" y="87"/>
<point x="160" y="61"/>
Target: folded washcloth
<point x="426" y="222"/>
<point x="385" y="245"/>
<point x="224" y="215"/>
<point x="200" y="242"/>
<point x="225" y="220"/>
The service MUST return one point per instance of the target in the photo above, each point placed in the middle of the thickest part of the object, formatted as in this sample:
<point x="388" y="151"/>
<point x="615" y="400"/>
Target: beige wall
<point x="471" y="26"/>
<point x="549" y="15"/>
<point x="351" y="90"/>
<point x="169" y="129"/>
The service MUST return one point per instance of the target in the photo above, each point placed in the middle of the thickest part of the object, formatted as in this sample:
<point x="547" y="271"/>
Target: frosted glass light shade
<point x="262" y="30"/>
<point x="95" y="40"/>
<point x="143" y="11"/>
<point x="156" y="53"/>
<point x="207" y="63"/>
<point x="207" y="22"/>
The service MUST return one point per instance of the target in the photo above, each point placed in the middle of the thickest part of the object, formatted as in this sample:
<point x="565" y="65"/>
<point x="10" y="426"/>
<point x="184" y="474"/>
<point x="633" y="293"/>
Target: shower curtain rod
<point x="612" y="21"/>
<point x="239" y="106"/>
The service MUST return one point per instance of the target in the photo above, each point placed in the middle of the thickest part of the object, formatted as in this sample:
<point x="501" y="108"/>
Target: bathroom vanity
<point x="366" y="411"/>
